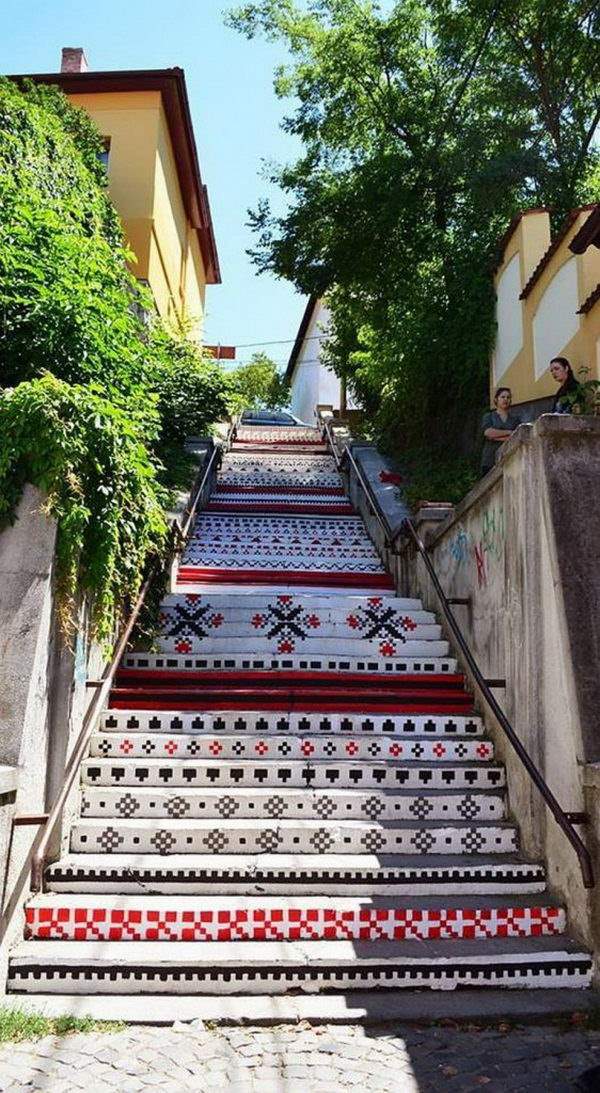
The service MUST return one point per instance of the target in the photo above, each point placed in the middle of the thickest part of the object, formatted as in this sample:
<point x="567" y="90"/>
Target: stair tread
<point x="290" y="952"/>
<point x="302" y="862"/>
<point x="146" y="824"/>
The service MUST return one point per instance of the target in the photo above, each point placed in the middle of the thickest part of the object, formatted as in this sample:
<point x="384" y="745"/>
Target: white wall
<point x="509" y="339"/>
<point x="556" y="320"/>
<point x="312" y="382"/>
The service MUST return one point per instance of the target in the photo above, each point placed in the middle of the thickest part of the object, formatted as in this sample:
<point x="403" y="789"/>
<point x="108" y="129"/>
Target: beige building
<point x="154" y="177"/>
<point x="548" y="302"/>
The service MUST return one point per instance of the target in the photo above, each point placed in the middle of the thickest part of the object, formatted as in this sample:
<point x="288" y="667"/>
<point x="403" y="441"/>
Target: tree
<point x="422" y="132"/>
<point x="259" y="383"/>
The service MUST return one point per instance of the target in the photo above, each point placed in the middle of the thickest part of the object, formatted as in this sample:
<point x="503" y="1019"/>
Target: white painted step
<point x="232" y="746"/>
<point x="283" y="836"/>
<point x="425" y="665"/>
<point x="73" y="917"/>
<point x="276" y="967"/>
<point x="335" y="804"/>
<point x="278" y="469"/>
<point x="330" y="605"/>
<point x="315" y="774"/>
<point x="296" y="874"/>
<point x="276" y="723"/>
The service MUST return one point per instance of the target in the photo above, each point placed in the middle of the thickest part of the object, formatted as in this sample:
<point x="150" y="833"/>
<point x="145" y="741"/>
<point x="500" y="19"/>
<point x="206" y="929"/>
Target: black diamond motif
<point x="163" y="841"/>
<point x="322" y="840"/>
<point x="177" y="807"/>
<point x="472" y="841"/>
<point x="227" y="806"/>
<point x="216" y="841"/>
<point x="468" y="807"/>
<point x="373" y="841"/>
<point x="373" y="807"/>
<point x="423" y="841"/>
<point x="275" y="807"/>
<point x="325" y="808"/>
<point x="109" y="840"/>
<point x="127" y="806"/>
<point x="268" y="841"/>
<point x="420" y="807"/>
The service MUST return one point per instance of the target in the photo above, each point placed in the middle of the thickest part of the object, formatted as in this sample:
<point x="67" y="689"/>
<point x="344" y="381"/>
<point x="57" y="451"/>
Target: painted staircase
<point x="293" y="794"/>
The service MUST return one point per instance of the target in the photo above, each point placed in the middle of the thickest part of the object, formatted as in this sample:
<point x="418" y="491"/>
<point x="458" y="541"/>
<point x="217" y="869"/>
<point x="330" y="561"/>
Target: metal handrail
<point x="561" y="817"/>
<point x="39" y="852"/>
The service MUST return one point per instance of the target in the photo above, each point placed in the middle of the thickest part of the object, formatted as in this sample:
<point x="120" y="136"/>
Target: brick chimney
<point x="73" y="59"/>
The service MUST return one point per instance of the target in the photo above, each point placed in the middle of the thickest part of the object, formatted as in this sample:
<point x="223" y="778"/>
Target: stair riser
<point x="274" y="980"/>
<point x="96" y="838"/>
<point x="299" y="805"/>
<point x="317" y="578"/>
<point x="178" y="924"/>
<point x="180" y="746"/>
<point x="281" y="725"/>
<point x="237" y="644"/>
<point x="348" y="776"/>
<point x="426" y="678"/>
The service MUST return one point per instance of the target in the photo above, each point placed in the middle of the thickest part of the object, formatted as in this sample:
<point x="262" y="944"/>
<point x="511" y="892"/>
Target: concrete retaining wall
<point x="522" y="546"/>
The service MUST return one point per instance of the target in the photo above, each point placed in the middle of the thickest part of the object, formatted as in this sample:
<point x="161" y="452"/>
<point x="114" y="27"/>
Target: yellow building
<point x="154" y="178"/>
<point x="548" y="303"/>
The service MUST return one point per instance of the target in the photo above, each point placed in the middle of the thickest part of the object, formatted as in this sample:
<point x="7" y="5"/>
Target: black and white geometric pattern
<point x="375" y="804"/>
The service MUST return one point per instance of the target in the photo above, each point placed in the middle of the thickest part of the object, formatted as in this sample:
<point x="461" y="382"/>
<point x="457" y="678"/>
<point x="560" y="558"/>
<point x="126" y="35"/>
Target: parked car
<point x="271" y="417"/>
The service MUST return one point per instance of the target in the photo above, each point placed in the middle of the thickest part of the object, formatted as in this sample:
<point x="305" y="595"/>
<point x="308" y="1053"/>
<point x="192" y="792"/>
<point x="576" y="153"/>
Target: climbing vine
<point x="91" y="389"/>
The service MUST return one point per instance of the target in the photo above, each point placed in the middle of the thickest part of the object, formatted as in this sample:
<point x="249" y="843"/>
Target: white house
<point x="312" y="383"/>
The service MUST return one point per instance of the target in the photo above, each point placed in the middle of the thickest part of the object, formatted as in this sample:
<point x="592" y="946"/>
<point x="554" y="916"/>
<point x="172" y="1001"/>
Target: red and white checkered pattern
<point x="290" y="924"/>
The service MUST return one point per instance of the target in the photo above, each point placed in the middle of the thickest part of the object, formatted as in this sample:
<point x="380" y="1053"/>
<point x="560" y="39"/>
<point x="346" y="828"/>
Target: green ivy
<point x="94" y="395"/>
<point x="87" y="456"/>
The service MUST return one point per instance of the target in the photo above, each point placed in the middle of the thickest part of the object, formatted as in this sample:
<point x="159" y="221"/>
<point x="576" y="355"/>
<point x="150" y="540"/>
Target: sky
<point x="236" y="119"/>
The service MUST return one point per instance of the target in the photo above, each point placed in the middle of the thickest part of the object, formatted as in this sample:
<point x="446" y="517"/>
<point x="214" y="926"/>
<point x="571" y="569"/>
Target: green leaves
<point x="426" y="124"/>
<point x="259" y="384"/>
<point x="101" y="485"/>
<point x="92" y="395"/>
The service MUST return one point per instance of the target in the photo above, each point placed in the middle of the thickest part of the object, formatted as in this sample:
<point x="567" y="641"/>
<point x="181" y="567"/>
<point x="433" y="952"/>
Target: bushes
<point x="87" y="455"/>
<point x="92" y="396"/>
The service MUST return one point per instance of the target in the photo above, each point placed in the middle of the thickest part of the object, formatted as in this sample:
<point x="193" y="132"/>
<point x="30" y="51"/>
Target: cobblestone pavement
<point x="303" y="1058"/>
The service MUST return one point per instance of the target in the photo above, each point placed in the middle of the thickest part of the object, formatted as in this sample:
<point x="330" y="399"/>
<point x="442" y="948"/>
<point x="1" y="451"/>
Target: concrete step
<point x="347" y="664"/>
<point x="243" y="644"/>
<point x="335" y="804"/>
<point x="296" y="874"/>
<point x="278" y="967"/>
<point x="365" y="1007"/>
<point x="331" y="606"/>
<point x="278" y="469"/>
<point x="233" y="746"/>
<point x="284" y="724"/>
<point x="229" y="918"/>
<point x="235" y="836"/>
<point x="318" y="774"/>
<point x="280" y="502"/>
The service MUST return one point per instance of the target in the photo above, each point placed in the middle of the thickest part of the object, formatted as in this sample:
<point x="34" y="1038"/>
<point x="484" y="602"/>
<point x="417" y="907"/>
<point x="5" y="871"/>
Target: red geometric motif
<point x="290" y="924"/>
<point x="171" y="747"/>
<point x="126" y="746"/>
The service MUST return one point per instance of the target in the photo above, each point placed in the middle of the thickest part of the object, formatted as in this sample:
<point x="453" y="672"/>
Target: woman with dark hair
<point x="563" y="373"/>
<point x="497" y="425"/>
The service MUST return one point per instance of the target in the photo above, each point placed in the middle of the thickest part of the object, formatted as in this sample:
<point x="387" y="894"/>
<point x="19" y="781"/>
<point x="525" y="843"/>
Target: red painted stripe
<point x="309" y="491"/>
<point x="187" y="574"/>
<point x="123" y="699"/>
<point x="276" y="507"/>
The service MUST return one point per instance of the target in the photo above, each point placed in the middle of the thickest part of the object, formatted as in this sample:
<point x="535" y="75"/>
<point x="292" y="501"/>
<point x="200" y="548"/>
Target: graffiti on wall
<point x="482" y="547"/>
